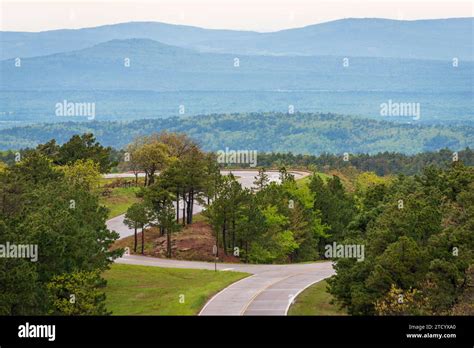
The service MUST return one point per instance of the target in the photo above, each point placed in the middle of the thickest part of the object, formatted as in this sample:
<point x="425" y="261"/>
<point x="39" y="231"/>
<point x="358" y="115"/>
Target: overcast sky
<point x="259" y="15"/>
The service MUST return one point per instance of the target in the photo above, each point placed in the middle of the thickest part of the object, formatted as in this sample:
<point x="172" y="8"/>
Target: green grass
<point x="148" y="290"/>
<point x="120" y="200"/>
<point x="315" y="300"/>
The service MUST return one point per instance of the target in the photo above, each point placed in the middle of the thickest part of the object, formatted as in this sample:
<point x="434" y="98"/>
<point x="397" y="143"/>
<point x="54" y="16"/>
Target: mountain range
<point x="366" y="37"/>
<point x="144" y="64"/>
<point x="134" y="71"/>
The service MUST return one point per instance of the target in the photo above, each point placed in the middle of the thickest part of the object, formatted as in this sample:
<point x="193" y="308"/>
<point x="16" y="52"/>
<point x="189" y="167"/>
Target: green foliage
<point x="336" y="207"/>
<point x="138" y="215"/>
<point x="399" y="302"/>
<point x="77" y="293"/>
<point x="39" y="206"/>
<point x="303" y="134"/>
<point x="79" y="147"/>
<point x="415" y="232"/>
<point x="18" y="278"/>
<point x="261" y="180"/>
<point x="160" y="203"/>
<point x="277" y="224"/>
<point x="151" y="156"/>
<point x="83" y="173"/>
<point x="381" y="163"/>
<point x="276" y="243"/>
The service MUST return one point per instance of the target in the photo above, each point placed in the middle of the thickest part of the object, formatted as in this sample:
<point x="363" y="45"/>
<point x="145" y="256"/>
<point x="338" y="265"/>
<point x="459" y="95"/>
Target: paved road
<point x="269" y="291"/>
<point x="245" y="177"/>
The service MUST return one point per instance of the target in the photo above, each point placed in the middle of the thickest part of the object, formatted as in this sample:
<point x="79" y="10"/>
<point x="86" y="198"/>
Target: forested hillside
<point x="265" y="132"/>
<point x="382" y="163"/>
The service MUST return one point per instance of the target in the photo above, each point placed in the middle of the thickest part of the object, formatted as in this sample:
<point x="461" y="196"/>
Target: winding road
<point x="269" y="290"/>
<point x="245" y="177"/>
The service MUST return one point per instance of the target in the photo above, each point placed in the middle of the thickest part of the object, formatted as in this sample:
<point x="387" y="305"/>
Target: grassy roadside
<point x="120" y="199"/>
<point x="147" y="290"/>
<point x="315" y="301"/>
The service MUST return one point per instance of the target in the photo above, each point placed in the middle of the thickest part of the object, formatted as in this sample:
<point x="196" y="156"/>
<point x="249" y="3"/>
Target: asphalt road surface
<point x="245" y="177"/>
<point x="270" y="289"/>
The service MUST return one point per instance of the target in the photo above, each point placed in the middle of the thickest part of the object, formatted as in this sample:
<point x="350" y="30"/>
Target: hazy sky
<point x="259" y="15"/>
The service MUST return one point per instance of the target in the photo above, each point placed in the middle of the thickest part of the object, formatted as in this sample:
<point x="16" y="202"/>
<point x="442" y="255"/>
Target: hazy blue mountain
<point x="423" y="39"/>
<point x="160" y="67"/>
<point x="26" y="44"/>
<point x="309" y="133"/>
<point x="373" y="37"/>
<point x="162" y="77"/>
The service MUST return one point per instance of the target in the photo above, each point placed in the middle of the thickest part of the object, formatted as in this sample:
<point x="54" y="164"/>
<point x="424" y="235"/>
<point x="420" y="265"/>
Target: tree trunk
<point x="247" y="252"/>
<point x="233" y="234"/>
<point x="135" y="244"/>
<point x="151" y="179"/>
<point x="184" y="207"/>
<point x="190" y="206"/>
<point x="217" y="243"/>
<point x="177" y="206"/>
<point x="224" y="244"/>
<point x="143" y="241"/>
<point x="168" y="242"/>
<point x="188" y="209"/>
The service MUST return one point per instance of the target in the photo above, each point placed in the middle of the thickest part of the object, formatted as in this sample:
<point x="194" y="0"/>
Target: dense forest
<point x="382" y="164"/>
<point x="416" y="230"/>
<point x="412" y="233"/>
<point x="417" y="234"/>
<point x="299" y="133"/>
<point x="49" y="200"/>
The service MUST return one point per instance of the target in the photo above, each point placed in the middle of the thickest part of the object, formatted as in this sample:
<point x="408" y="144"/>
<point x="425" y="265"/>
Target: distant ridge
<point x="157" y="66"/>
<point x="367" y="37"/>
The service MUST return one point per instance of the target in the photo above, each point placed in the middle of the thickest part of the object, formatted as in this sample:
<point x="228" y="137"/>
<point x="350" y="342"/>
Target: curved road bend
<point x="268" y="291"/>
<point x="245" y="177"/>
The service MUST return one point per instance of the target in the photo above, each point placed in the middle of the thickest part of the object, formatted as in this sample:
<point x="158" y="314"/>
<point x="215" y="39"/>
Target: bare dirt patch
<point x="194" y="242"/>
